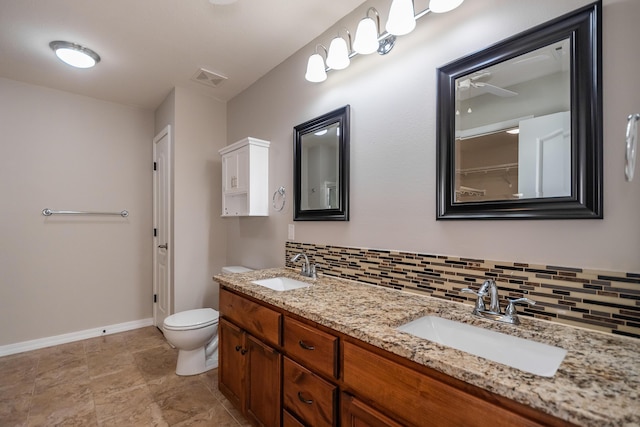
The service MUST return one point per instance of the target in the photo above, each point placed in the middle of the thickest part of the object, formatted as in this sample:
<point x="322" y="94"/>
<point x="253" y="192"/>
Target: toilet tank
<point x="231" y="269"/>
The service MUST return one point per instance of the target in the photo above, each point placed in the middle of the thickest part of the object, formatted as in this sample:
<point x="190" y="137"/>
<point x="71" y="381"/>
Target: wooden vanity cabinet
<point x="282" y="370"/>
<point x="419" y="399"/>
<point x="249" y="373"/>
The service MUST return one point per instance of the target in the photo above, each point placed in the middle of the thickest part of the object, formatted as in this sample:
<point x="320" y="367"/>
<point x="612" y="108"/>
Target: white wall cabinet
<point x="245" y="178"/>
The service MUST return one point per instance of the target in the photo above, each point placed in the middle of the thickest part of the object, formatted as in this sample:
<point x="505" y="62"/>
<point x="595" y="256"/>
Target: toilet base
<point x="194" y="362"/>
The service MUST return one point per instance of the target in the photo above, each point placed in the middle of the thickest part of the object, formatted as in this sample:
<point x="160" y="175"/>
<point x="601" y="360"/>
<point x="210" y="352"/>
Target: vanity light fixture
<point x="338" y="57"/>
<point x="74" y="54"/>
<point x="367" y="34"/>
<point x="316" y="72"/>
<point x="402" y="20"/>
<point x="442" y="6"/>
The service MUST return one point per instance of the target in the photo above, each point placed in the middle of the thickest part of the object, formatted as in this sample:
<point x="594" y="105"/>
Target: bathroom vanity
<point x="330" y="354"/>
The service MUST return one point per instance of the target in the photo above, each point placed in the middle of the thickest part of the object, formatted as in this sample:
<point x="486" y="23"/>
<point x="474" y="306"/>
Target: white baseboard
<point x="21" y="347"/>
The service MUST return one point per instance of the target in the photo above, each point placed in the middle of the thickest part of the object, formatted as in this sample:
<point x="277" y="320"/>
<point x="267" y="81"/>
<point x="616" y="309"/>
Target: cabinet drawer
<point x="308" y="396"/>
<point x="258" y="320"/>
<point x="312" y="347"/>
<point x="289" y="420"/>
<point x="416" y="397"/>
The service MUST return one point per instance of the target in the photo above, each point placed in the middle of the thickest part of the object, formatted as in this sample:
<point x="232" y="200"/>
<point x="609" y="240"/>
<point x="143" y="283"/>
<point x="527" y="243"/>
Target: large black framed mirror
<point x="321" y="167"/>
<point x="519" y="125"/>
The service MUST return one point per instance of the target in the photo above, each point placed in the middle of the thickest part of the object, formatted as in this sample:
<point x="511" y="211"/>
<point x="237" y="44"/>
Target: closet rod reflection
<point x="49" y="212"/>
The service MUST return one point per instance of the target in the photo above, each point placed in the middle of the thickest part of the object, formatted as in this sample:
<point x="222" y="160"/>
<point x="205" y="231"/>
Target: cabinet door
<point x="235" y="171"/>
<point x="231" y="351"/>
<point x="356" y="414"/>
<point x="263" y="383"/>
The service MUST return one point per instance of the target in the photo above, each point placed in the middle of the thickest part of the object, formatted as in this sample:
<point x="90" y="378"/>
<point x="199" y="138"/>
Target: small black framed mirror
<point x="321" y="167"/>
<point x="519" y="125"/>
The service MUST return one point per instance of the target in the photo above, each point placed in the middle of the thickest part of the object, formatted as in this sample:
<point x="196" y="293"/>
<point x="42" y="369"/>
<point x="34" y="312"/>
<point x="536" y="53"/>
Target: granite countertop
<point x="597" y="384"/>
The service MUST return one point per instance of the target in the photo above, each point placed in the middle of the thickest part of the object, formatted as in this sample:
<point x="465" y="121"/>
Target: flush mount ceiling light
<point x="402" y="20"/>
<point x="74" y="54"/>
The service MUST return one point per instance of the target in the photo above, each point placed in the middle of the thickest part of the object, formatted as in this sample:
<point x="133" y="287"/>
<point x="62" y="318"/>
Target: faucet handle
<point x="511" y="307"/>
<point x="479" y="294"/>
<point x="480" y="301"/>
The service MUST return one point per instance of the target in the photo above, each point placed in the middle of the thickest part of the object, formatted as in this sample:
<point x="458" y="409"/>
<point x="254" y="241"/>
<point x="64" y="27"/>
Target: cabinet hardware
<point x="243" y="351"/>
<point x="238" y="348"/>
<point x="306" y="346"/>
<point x="303" y="400"/>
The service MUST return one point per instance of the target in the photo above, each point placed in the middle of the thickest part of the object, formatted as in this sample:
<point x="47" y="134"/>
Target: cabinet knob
<point x="238" y="348"/>
<point x="243" y="351"/>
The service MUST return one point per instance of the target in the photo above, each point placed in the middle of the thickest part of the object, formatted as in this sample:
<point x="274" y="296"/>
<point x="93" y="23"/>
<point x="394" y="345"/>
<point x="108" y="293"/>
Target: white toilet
<point x="195" y="334"/>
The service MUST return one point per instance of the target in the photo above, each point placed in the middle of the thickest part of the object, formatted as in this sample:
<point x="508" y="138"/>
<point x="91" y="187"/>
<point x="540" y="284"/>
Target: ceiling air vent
<point x="208" y="78"/>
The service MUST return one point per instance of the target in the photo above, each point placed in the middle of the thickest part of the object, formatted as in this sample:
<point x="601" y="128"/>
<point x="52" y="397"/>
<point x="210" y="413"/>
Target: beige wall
<point x="65" y="274"/>
<point x="199" y="244"/>
<point x="393" y="102"/>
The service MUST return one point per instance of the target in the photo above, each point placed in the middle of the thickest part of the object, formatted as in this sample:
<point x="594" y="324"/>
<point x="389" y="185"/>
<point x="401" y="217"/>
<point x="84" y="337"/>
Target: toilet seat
<point x="191" y="319"/>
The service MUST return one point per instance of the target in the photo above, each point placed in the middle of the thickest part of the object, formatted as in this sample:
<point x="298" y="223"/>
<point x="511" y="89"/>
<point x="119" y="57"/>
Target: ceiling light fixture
<point x="74" y="54"/>
<point x="368" y="39"/>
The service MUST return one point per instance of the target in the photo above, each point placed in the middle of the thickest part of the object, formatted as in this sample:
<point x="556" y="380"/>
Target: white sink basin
<point x="281" y="283"/>
<point x="526" y="355"/>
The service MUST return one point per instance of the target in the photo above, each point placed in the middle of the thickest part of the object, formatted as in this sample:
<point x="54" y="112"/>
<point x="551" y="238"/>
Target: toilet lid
<point x="192" y="319"/>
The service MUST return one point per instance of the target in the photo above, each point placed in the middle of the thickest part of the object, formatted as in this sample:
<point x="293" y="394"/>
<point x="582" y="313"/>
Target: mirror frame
<point x="584" y="29"/>
<point x="341" y="116"/>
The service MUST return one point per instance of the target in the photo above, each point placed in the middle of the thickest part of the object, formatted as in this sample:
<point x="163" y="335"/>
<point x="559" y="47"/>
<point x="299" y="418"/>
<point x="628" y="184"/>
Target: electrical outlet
<point x="291" y="235"/>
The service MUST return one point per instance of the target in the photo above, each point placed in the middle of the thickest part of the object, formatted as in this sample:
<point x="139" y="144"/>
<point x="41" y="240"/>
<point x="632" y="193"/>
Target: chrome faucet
<point x="308" y="270"/>
<point x="509" y="316"/>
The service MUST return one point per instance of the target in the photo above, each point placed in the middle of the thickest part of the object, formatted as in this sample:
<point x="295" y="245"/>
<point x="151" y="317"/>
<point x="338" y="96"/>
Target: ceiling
<point x="149" y="46"/>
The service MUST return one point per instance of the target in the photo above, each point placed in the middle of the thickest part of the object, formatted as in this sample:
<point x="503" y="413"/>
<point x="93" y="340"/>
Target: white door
<point x="162" y="248"/>
<point x="544" y="156"/>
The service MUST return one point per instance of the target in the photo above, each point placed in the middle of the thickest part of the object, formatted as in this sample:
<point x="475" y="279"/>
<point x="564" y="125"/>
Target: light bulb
<point x="402" y="19"/>
<point x="338" y="58"/>
<point x="442" y="6"/>
<point x="315" y="69"/>
<point x="366" y="41"/>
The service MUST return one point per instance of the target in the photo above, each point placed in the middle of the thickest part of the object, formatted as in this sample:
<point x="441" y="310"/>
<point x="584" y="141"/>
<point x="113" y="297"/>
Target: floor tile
<point x="125" y="379"/>
<point x="156" y="362"/>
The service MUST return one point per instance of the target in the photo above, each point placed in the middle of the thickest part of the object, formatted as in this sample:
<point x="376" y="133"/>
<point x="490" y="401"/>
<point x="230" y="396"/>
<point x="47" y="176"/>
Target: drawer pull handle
<point x="305" y="346"/>
<point x="303" y="400"/>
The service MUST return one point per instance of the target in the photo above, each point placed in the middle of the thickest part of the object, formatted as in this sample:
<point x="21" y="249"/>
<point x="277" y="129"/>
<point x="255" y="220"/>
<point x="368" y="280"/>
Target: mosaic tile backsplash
<point x="600" y="300"/>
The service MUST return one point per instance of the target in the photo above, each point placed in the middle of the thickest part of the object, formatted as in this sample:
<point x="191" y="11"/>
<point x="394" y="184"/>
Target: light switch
<point x="292" y="232"/>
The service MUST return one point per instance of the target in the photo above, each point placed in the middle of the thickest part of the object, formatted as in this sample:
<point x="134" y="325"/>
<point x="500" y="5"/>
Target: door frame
<point x="169" y="217"/>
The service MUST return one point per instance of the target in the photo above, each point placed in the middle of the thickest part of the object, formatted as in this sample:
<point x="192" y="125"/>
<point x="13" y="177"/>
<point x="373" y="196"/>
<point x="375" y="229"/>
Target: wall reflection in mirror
<point x="513" y="128"/>
<point x="520" y="125"/>
<point x="321" y="168"/>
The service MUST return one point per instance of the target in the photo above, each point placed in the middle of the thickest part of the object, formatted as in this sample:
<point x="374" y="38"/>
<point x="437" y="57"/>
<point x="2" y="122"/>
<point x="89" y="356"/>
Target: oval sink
<point x="281" y="283"/>
<point x="526" y="355"/>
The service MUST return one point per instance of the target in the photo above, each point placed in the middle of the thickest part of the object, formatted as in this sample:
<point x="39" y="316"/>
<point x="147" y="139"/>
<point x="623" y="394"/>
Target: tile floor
<point x="125" y="379"/>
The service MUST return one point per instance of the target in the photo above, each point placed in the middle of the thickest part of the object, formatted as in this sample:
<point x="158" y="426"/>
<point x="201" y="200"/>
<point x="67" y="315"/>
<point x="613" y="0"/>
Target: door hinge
<point x="155" y="232"/>
<point x="155" y="298"/>
<point x="155" y="166"/>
